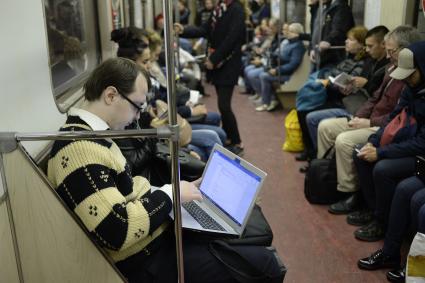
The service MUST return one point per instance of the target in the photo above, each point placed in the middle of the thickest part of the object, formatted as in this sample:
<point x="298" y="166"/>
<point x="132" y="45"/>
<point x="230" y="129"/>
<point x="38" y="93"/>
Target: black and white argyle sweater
<point x="93" y="179"/>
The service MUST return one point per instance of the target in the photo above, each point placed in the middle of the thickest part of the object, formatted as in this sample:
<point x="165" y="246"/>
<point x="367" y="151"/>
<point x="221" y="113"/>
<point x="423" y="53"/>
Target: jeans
<point x="220" y="132"/>
<point x="252" y="79"/>
<point x="400" y="215"/>
<point x="378" y="182"/>
<point x="417" y="210"/>
<point x="203" y="142"/>
<point x="314" y="118"/>
<point x="185" y="44"/>
<point x="266" y="91"/>
<point x="213" y="118"/>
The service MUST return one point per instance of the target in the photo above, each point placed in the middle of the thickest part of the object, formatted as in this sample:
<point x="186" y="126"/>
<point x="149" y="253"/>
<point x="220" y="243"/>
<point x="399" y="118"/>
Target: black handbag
<point x="320" y="183"/>
<point x="191" y="168"/>
<point x="242" y="269"/>
<point x="257" y="231"/>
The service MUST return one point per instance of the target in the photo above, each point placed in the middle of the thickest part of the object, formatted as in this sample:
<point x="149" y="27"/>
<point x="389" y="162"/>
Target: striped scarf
<point x="219" y="11"/>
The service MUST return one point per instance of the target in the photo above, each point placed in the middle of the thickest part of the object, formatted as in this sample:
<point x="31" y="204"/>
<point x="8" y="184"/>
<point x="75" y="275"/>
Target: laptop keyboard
<point x="202" y="217"/>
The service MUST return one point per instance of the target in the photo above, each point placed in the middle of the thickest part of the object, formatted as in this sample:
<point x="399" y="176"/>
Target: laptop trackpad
<point x="187" y="220"/>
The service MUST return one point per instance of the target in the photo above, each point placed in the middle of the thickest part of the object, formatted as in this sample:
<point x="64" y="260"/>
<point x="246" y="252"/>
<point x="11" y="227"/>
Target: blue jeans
<point x="185" y="44"/>
<point x="252" y="79"/>
<point x="421" y="214"/>
<point x="203" y="142"/>
<point x="404" y="208"/>
<point x="266" y="90"/>
<point x="313" y="119"/>
<point x="213" y="118"/>
<point x="220" y="132"/>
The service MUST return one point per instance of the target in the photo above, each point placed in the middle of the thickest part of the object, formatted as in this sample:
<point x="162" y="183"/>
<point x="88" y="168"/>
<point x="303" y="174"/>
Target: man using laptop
<point x="127" y="217"/>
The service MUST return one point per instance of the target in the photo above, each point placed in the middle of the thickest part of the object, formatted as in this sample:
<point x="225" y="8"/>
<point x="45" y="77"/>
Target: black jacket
<point x="338" y="20"/>
<point x="226" y="39"/>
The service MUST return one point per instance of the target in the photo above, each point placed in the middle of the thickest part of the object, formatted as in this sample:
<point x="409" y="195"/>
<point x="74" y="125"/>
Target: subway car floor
<point x="314" y="245"/>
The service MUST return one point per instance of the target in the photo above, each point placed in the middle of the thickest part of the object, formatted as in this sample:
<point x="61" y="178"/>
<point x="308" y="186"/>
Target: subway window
<point x="73" y="42"/>
<point x="358" y="7"/>
<point x="295" y="11"/>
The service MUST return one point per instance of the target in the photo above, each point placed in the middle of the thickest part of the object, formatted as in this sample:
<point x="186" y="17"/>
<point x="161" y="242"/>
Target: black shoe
<point x="372" y="232"/>
<point x="345" y="206"/>
<point x="378" y="260"/>
<point x="304" y="169"/>
<point x="397" y="275"/>
<point x="236" y="149"/>
<point x="360" y="218"/>
<point x="303" y="156"/>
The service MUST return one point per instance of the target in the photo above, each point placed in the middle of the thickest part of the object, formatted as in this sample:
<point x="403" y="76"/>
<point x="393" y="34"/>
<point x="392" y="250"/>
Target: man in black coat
<point x="337" y="20"/>
<point x="225" y="31"/>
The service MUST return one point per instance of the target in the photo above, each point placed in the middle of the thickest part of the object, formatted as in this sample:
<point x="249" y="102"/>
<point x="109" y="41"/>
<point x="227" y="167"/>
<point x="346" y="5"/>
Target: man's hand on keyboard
<point x="197" y="182"/>
<point x="189" y="191"/>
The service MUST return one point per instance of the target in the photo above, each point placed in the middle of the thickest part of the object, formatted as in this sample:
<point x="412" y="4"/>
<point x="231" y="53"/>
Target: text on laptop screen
<point x="229" y="186"/>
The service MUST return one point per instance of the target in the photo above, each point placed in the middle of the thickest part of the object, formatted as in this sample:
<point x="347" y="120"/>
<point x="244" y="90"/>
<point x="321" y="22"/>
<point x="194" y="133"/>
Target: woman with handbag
<point x="225" y="31"/>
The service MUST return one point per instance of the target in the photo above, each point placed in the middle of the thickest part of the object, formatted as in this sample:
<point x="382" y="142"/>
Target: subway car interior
<point x="295" y="126"/>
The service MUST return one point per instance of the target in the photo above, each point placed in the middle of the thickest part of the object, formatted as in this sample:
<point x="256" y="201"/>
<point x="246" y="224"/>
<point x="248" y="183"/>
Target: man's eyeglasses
<point x="140" y="109"/>
<point x="391" y="52"/>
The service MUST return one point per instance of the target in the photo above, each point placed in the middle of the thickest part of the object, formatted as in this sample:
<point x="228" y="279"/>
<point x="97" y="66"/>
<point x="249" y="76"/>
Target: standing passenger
<point x="225" y="31"/>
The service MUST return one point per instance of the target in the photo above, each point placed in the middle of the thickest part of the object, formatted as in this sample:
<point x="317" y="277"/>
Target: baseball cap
<point x="406" y="65"/>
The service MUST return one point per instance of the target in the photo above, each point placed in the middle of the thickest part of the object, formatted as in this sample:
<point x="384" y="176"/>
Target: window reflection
<point x="71" y="36"/>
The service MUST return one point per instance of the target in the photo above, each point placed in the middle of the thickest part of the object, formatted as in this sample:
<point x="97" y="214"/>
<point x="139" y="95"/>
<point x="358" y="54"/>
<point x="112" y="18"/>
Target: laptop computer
<point x="229" y="187"/>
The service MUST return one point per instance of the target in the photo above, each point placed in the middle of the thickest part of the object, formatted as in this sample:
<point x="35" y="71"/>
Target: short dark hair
<point x="120" y="73"/>
<point x="378" y="32"/>
<point x="130" y="41"/>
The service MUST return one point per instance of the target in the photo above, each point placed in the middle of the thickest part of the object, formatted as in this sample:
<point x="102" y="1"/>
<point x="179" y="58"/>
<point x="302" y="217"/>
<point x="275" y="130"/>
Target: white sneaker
<point x="253" y="97"/>
<point x="273" y="105"/>
<point x="262" y="108"/>
<point x="258" y="101"/>
<point x="241" y="82"/>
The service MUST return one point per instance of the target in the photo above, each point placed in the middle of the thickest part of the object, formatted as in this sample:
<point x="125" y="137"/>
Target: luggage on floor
<point x="321" y="180"/>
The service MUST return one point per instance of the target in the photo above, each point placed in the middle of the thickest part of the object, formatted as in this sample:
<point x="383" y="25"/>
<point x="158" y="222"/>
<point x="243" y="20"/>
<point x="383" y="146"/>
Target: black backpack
<point x="321" y="180"/>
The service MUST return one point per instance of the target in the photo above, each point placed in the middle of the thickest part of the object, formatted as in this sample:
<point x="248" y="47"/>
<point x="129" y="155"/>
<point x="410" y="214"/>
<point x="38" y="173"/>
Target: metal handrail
<point x="9" y="140"/>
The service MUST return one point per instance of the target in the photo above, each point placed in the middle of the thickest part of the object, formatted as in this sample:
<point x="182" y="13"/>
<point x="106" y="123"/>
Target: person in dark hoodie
<point x="389" y="155"/>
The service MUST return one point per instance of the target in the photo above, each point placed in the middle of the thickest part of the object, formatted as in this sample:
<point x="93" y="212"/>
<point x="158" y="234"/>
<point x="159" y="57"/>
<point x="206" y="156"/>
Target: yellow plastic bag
<point x="294" y="139"/>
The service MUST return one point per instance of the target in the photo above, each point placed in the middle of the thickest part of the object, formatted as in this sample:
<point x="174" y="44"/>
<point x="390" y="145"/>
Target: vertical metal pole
<point x="172" y="116"/>
<point x="144" y="14"/>
<point x="320" y="11"/>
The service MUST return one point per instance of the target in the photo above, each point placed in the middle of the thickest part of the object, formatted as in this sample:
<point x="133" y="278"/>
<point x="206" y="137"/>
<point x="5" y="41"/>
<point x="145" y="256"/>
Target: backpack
<point x="321" y="180"/>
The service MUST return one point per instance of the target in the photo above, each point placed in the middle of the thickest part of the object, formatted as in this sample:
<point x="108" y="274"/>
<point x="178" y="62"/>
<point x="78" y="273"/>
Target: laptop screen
<point x="230" y="186"/>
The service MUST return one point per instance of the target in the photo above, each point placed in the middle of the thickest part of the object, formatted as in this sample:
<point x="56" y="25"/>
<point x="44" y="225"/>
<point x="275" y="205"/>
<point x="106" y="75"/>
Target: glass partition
<point x="72" y="35"/>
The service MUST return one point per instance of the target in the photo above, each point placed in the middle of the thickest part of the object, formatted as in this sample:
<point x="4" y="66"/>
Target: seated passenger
<point x="290" y="57"/>
<point x="204" y="137"/>
<point x="259" y="60"/>
<point x="317" y="93"/>
<point x="364" y="85"/>
<point x="389" y="155"/>
<point x="346" y="133"/>
<point x="125" y="215"/>
<point x="407" y="209"/>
